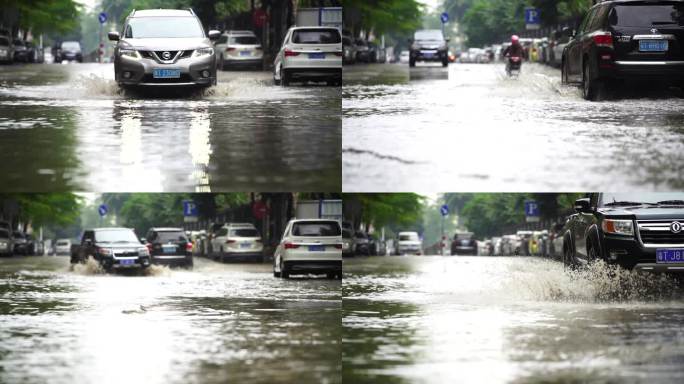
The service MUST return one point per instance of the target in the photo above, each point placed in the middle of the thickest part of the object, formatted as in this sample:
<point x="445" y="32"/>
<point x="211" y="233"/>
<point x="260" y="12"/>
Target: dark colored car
<point x="36" y="54"/>
<point x="361" y="244"/>
<point x="363" y="53"/>
<point x="69" y="51"/>
<point x="169" y="246"/>
<point x="643" y="231"/>
<point x="20" y="245"/>
<point x="348" y="50"/>
<point x="21" y="53"/>
<point x="5" y="243"/>
<point x="464" y="244"/>
<point x="429" y="45"/>
<point x="112" y="248"/>
<point x="626" y="40"/>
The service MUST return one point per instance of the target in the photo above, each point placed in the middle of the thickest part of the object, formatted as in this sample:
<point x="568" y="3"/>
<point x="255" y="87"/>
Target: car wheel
<point x="284" y="78"/>
<point x="594" y="251"/>
<point x="275" y="274"/>
<point x="284" y="273"/>
<point x="590" y="86"/>
<point x="445" y="62"/>
<point x="412" y="62"/>
<point x="564" y="73"/>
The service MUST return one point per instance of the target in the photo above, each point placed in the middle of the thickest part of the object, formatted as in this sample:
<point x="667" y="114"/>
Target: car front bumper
<point x="629" y="253"/>
<point x="429" y="55"/>
<point x="643" y="70"/>
<point x="141" y="72"/>
<point x="172" y="260"/>
<point x="119" y="263"/>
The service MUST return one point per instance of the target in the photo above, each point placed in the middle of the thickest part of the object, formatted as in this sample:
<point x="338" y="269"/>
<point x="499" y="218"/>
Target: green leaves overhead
<point x="383" y="16"/>
<point x="40" y="16"/>
<point x="45" y="208"/>
<point x="382" y="209"/>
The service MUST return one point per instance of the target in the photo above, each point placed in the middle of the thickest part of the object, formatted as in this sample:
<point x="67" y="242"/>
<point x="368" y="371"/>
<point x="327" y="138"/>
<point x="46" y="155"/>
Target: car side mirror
<point x="214" y="34"/>
<point x="583" y="205"/>
<point x="113" y="36"/>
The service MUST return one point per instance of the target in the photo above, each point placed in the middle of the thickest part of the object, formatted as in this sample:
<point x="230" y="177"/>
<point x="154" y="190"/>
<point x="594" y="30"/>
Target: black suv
<point x="643" y="231"/>
<point x="625" y="40"/>
<point x="112" y="248"/>
<point x="169" y="246"/>
<point x="429" y="45"/>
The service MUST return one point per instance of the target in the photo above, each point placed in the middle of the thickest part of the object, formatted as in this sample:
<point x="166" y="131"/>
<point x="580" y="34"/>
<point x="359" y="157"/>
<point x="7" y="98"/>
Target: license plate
<point x="245" y="53"/>
<point x="316" y="55"/>
<point x="245" y="245"/>
<point x="316" y="248"/>
<point x="666" y="256"/>
<point x="169" y="249"/>
<point x="159" y="73"/>
<point x="127" y="262"/>
<point x="653" y="45"/>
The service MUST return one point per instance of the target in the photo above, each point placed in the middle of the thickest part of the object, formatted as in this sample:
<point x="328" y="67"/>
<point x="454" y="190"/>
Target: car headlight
<point x="130" y="53"/>
<point x="105" y="251"/>
<point x="203" y="52"/>
<point x="143" y="251"/>
<point x="618" y="227"/>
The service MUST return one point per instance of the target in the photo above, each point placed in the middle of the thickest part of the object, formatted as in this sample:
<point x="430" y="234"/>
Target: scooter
<point x="513" y="65"/>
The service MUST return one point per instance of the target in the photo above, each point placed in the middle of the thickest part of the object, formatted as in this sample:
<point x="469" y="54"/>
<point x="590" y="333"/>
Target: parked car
<point x="624" y="40"/>
<point x="557" y="46"/>
<point x="169" y="246"/>
<point x="524" y="237"/>
<point x="404" y="57"/>
<point x="378" y="246"/>
<point x="112" y="248"/>
<point x="429" y="45"/>
<point x="35" y="246"/>
<point x="62" y="247"/>
<point x="6" y="50"/>
<point x="68" y="51"/>
<point x="237" y="241"/>
<point x="535" y="243"/>
<point x="641" y="231"/>
<point x="363" y="53"/>
<point x="309" y="246"/>
<point x="20" y="51"/>
<point x="556" y="241"/>
<point x="36" y="54"/>
<point x="309" y="53"/>
<point x="361" y="244"/>
<point x="164" y="47"/>
<point x="408" y="243"/>
<point x="464" y="243"/>
<point x="347" y="243"/>
<point x="239" y="49"/>
<point x="377" y="53"/>
<point x="348" y="50"/>
<point x="5" y="242"/>
<point x="19" y="243"/>
<point x="497" y="243"/>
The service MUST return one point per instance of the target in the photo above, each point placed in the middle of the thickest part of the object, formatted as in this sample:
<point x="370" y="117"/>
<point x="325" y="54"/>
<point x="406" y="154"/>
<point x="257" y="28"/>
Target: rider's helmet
<point x="515" y="39"/>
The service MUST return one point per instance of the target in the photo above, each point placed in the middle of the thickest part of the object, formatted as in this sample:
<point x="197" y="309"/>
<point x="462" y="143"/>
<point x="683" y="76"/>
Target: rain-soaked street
<point x="215" y="324"/>
<point x="470" y="128"/>
<point x="70" y="127"/>
<point x="507" y="319"/>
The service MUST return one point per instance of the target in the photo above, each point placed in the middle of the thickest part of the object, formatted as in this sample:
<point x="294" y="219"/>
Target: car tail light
<point x="230" y="241"/>
<point x="188" y="247"/>
<point x="338" y="246"/>
<point x="338" y="54"/>
<point x="291" y="246"/>
<point x="603" y="40"/>
<point x="230" y="49"/>
<point x="289" y="53"/>
<point x="258" y="240"/>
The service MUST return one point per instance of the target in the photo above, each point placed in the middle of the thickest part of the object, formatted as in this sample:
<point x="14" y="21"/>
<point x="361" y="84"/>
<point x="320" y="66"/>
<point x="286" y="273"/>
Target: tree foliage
<point x="209" y="11"/>
<point x="383" y="16"/>
<point x="40" y="209"/>
<point x="388" y="209"/>
<point x="41" y="16"/>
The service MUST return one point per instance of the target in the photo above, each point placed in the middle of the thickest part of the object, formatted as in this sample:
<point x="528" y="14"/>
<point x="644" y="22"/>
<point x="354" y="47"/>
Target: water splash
<point x="89" y="268"/>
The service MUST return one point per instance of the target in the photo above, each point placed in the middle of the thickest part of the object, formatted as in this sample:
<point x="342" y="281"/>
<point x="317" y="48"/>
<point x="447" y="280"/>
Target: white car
<point x="63" y="247"/>
<point x="309" y="53"/>
<point x="309" y="246"/>
<point x="409" y="243"/>
<point x="238" y="241"/>
<point x="239" y="49"/>
<point x="404" y="57"/>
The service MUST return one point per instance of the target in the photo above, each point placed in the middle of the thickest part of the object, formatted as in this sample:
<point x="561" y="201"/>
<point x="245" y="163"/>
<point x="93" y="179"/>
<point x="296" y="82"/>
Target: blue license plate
<point x="653" y="45"/>
<point x="316" y="248"/>
<point x="245" y="245"/>
<point x="169" y="249"/>
<point x="245" y="53"/>
<point x="667" y="255"/>
<point x="127" y="262"/>
<point x="316" y="55"/>
<point x="159" y="73"/>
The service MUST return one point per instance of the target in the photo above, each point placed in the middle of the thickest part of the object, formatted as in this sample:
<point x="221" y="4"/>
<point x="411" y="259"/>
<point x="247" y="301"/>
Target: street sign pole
<point x="102" y="18"/>
<point x="444" y="17"/>
<point x="444" y="211"/>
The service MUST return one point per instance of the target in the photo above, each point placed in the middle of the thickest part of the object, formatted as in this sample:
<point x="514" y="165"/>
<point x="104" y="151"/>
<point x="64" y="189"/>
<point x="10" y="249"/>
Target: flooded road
<point x="470" y="128"/>
<point x="218" y="323"/>
<point x="69" y="127"/>
<point x="507" y="320"/>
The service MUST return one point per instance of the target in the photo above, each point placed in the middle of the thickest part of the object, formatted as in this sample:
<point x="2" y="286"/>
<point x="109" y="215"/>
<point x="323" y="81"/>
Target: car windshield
<point x="319" y="228"/>
<point x="625" y="199"/>
<point x="71" y="45"/>
<point x="19" y="43"/>
<point x="4" y="234"/>
<point x="646" y="15"/>
<point x="171" y="236"/>
<point x="163" y="28"/>
<point x="62" y="242"/>
<point x="244" y="40"/>
<point x="408" y="237"/>
<point x="4" y="41"/>
<point x="116" y="236"/>
<point x="429" y="35"/>
<point x="316" y="36"/>
<point x="244" y="232"/>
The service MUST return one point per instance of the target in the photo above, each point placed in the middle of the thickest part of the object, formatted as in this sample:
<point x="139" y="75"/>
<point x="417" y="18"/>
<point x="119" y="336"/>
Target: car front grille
<point x="659" y="232"/>
<point x="126" y="254"/>
<point x="184" y="78"/>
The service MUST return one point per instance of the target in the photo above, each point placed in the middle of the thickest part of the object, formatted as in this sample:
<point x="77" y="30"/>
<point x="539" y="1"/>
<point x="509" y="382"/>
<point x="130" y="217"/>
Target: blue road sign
<point x="102" y="210"/>
<point x="531" y="209"/>
<point x="444" y="210"/>
<point x="189" y="208"/>
<point x="532" y="16"/>
<point x="102" y="17"/>
<point x="444" y="17"/>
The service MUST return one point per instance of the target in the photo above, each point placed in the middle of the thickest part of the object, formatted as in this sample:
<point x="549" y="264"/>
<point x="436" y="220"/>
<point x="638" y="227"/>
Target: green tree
<point x="41" y="16"/>
<point x="383" y="16"/>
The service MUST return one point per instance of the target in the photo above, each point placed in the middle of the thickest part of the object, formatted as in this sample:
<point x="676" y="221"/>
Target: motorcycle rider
<point x="514" y="50"/>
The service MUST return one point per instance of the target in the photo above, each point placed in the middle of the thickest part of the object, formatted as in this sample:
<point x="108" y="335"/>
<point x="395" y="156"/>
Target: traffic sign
<point x="532" y="18"/>
<point x="444" y="17"/>
<point x="444" y="210"/>
<point x="190" y="208"/>
<point x="102" y="210"/>
<point x="102" y="17"/>
<point x="532" y="211"/>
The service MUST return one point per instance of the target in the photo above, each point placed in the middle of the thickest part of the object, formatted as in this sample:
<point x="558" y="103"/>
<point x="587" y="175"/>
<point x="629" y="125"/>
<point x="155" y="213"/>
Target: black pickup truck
<point x="641" y="231"/>
<point x="113" y="248"/>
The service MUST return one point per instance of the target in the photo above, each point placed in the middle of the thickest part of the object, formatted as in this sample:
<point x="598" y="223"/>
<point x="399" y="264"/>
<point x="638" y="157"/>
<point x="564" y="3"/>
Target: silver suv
<point x="164" y="47"/>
